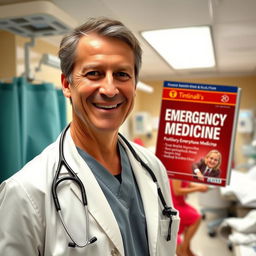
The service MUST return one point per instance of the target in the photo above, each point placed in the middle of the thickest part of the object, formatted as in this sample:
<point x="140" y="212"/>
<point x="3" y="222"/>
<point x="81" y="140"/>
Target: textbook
<point x="197" y="130"/>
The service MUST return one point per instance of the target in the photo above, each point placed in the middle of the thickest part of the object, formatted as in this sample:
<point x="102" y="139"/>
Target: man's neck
<point x="100" y="145"/>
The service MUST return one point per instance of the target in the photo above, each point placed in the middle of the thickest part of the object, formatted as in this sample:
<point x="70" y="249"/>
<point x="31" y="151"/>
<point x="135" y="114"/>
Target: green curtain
<point x="31" y="117"/>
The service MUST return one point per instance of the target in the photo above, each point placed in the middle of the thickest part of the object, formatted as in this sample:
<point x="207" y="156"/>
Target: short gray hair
<point x="101" y="26"/>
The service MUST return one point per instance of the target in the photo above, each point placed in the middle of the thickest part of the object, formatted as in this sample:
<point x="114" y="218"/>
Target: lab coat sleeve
<point x="20" y="221"/>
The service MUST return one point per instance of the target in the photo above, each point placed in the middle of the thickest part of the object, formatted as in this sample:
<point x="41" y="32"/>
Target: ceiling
<point x="233" y="25"/>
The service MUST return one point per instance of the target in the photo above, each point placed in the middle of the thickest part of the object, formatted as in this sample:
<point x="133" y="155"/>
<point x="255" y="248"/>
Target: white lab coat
<point x="30" y="226"/>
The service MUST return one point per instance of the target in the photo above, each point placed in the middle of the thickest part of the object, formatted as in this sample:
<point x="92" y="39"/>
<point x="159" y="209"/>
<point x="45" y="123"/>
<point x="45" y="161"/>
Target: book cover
<point x="197" y="129"/>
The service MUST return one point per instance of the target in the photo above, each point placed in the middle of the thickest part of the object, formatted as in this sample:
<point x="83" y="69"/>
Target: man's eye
<point x="93" y="74"/>
<point x="123" y="76"/>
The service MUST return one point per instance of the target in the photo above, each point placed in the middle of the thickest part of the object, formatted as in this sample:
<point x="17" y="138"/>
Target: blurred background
<point x="30" y="33"/>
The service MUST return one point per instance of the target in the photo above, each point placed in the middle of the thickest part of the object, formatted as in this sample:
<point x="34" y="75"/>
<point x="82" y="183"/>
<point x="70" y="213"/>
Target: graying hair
<point x="101" y="26"/>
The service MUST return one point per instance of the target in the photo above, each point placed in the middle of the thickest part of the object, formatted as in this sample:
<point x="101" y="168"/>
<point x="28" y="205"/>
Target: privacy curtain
<point x="31" y="117"/>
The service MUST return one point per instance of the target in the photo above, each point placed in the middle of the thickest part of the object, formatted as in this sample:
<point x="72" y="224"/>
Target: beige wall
<point x="8" y="55"/>
<point x="152" y="104"/>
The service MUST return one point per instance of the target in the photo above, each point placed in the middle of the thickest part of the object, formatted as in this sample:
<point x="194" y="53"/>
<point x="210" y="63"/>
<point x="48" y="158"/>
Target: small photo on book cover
<point x="197" y="130"/>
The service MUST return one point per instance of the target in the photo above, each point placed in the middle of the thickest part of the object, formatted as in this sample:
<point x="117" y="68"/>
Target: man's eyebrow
<point x="125" y="67"/>
<point x="90" y="66"/>
<point x="119" y="67"/>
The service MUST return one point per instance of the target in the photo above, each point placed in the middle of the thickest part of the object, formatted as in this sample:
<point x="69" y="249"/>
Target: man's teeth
<point x="106" y="107"/>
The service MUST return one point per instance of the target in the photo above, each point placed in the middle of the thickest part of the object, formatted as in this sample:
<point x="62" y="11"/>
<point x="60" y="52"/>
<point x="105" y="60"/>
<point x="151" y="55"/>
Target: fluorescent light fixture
<point x="183" y="48"/>
<point x="144" y="87"/>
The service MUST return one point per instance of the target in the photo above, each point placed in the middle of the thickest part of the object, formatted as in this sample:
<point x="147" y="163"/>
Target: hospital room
<point x="189" y="97"/>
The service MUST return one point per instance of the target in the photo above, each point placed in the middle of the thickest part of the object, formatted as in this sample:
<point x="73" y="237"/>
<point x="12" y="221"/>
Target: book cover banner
<point x="197" y="130"/>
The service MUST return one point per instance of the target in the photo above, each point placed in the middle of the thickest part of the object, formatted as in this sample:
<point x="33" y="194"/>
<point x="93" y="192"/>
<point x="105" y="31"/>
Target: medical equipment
<point x="167" y="211"/>
<point x="142" y="123"/>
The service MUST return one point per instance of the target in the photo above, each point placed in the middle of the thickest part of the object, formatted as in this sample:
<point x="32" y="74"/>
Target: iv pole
<point x="28" y="74"/>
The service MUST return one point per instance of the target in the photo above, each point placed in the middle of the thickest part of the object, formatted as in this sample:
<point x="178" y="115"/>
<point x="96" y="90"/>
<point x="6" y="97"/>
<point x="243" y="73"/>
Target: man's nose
<point x="108" y="86"/>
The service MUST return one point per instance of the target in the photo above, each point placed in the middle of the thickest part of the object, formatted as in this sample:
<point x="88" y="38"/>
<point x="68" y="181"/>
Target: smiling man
<point x="92" y="192"/>
<point x="102" y="90"/>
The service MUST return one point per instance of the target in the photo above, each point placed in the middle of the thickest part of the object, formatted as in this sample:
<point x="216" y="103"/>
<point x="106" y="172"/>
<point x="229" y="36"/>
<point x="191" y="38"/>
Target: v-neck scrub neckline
<point x="125" y="201"/>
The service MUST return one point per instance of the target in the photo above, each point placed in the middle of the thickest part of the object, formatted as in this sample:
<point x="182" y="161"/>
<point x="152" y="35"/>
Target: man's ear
<point x="65" y="86"/>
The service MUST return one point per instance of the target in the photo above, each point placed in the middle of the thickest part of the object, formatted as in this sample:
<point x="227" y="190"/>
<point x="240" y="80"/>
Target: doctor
<point x="88" y="193"/>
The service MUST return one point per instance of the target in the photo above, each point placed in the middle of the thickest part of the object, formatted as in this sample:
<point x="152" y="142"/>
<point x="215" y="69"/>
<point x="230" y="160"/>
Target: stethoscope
<point x="167" y="211"/>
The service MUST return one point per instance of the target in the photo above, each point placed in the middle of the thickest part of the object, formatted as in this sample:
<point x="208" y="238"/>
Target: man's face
<point x="212" y="160"/>
<point x="103" y="87"/>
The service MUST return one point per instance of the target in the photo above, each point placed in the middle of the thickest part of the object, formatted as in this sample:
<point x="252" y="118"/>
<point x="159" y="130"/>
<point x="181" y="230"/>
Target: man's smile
<point x="104" y="106"/>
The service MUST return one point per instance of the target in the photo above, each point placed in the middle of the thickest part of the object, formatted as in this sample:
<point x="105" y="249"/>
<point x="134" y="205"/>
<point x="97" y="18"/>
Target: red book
<point x="197" y="130"/>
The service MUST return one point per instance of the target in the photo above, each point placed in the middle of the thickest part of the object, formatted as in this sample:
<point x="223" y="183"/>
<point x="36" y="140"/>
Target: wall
<point x="152" y="104"/>
<point x="8" y="55"/>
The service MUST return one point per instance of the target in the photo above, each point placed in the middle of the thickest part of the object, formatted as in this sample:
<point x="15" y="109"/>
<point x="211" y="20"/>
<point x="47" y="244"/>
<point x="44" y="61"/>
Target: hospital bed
<point x="242" y="187"/>
<point x="214" y="208"/>
<point x="236" y="199"/>
<point x="243" y="250"/>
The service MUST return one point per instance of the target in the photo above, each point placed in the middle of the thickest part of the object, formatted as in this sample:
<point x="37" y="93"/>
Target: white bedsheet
<point x="243" y="186"/>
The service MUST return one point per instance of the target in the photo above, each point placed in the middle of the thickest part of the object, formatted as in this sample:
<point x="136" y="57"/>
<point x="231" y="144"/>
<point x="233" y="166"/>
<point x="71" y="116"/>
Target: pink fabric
<point x="139" y="141"/>
<point x="188" y="214"/>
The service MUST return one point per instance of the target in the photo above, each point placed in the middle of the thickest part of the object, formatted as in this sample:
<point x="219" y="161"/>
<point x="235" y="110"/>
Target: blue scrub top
<point x="125" y="201"/>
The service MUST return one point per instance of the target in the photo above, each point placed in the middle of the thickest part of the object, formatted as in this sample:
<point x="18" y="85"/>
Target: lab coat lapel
<point x="148" y="191"/>
<point x="97" y="203"/>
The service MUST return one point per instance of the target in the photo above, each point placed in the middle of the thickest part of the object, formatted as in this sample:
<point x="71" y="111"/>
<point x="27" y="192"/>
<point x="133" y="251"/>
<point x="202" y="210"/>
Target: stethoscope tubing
<point x="167" y="211"/>
<point x="73" y="177"/>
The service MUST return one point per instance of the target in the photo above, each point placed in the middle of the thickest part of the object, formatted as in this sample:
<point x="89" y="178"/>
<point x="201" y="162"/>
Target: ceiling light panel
<point x="183" y="48"/>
